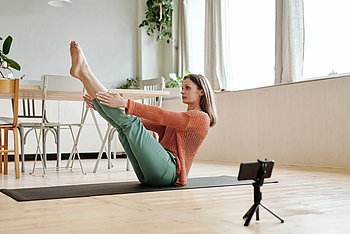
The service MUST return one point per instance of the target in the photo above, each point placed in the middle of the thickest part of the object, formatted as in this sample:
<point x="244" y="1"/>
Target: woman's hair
<point x="207" y="101"/>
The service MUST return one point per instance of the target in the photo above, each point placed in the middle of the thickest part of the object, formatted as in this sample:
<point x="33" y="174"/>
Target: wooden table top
<point x="32" y="91"/>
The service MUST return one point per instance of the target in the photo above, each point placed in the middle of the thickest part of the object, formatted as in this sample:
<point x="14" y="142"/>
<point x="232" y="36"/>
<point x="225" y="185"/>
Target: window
<point x="252" y="32"/>
<point x="197" y="27"/>
<point x="253" y="43"/>
<point x="327" y="38"/>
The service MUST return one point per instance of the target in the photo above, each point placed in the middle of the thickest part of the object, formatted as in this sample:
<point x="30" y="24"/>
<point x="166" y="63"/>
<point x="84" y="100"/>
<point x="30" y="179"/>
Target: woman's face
<point x="191" y="94"/>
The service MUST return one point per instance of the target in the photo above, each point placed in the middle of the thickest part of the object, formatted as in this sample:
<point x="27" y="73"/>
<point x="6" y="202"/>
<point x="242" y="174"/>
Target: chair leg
<point x="43" y="139"/>
<point x="127" y="164"/>
<point x="114" y="153"/>
<point x="6" y="144"/>
<point x="1" y="148"/>
<point x="110" y="138"/>
<point x="75" y="148"/>
<point x="16" y="154"/>
<point x="38" y="151"/>
<point x="41" y="153"/>
<point x="109" y="141"/>
<point x="21" y="136"/>
<point x="101" y="148"/>
<point x="58" y="144"/>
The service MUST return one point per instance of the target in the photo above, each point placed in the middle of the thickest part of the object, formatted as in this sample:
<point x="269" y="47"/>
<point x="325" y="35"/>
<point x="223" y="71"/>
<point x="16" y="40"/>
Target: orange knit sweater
<point x="181" y="133"/>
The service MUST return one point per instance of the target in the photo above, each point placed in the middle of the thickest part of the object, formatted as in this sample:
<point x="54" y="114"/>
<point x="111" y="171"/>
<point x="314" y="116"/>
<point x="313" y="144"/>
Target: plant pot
<point x="5" y="71"/>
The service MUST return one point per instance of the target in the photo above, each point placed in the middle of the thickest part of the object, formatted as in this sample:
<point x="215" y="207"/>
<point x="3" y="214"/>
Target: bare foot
<point x="80" y="67"/>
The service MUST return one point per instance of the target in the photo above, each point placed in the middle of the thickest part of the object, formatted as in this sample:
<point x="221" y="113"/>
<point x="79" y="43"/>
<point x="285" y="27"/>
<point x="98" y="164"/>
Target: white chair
<point x="31" y="113"/>
<point x="55" y="85"/>
<point x="150" y="84"/>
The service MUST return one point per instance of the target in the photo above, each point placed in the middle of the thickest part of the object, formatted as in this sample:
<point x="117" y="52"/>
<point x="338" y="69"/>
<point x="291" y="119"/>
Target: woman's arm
<point x="177" y="120"/>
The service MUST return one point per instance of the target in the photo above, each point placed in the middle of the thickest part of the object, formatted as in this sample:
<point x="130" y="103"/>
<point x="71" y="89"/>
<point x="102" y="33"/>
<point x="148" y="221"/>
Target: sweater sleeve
<point x="177" y="120"/>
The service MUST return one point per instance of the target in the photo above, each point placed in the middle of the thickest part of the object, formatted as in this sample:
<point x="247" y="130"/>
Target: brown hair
<point x="207" y="101"/>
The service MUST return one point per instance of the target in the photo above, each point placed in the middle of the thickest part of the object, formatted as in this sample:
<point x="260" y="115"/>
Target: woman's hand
<point x="111" y="100"/>
<point x="88" y="101"/>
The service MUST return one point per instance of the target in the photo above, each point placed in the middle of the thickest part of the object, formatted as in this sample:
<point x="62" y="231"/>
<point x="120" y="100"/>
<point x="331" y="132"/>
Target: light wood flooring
<point x="309" y="199"/>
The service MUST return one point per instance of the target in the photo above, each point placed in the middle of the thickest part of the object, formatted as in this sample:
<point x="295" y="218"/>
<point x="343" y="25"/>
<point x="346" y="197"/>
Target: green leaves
<point x="131" y="83"/>
<point x="10" y="62"/>
<point x="158" y="19"/>
<point x="6" y="46"/>
<point x="175" y="81"/>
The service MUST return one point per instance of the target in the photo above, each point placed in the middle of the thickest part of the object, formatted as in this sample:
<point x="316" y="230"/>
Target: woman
<point x="155" y="163"/>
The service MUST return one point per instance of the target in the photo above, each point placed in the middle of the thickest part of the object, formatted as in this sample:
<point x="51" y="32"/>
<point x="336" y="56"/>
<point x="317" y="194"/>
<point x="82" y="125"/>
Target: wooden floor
<point x="309" y="199"/>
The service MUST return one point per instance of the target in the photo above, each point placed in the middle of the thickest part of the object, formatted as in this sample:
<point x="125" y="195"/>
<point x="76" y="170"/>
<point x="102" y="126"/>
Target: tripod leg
<point x="257" y="213"/>
<point x="282" y="221"/>
<point x="251" y="211"/>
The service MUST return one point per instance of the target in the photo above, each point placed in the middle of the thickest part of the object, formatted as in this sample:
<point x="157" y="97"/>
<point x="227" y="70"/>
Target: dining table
<point x="33" y="90"/>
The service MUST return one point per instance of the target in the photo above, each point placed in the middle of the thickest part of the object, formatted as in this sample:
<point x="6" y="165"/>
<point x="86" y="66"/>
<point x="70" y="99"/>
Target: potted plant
<point x="6" y="62"/>
<point x="158" y="19"/>
<point x="174" y="81"/>
<point x="173" y="84"/>
<point x="131" y="83"/>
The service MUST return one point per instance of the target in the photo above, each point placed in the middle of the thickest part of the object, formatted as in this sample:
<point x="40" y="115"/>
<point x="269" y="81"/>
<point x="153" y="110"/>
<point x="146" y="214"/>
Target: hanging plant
<point x="158" y="19"/>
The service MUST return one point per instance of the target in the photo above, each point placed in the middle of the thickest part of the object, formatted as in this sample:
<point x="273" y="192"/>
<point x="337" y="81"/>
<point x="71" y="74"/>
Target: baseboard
<point x="65" y="156"/>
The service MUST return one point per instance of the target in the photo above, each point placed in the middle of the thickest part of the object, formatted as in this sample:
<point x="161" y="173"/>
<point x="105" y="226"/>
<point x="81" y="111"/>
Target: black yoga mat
<point x="86" y="190"/>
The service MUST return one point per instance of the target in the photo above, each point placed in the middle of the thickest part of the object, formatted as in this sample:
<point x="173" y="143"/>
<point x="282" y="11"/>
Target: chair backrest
<point x="10" y="89"/>
<point x="31" y="108"/>
<point x="153" y="84"/>
<point x="58" y="83"/>
<point x="36" y="109"/>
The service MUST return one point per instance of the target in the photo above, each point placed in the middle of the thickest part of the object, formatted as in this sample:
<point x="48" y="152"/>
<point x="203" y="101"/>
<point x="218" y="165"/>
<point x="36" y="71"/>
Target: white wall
<point x="302" y="123"/>
<point x="106" y="29"/>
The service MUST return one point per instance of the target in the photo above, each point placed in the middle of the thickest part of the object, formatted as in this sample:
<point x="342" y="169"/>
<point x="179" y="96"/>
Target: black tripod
<point x="259" y="181"/>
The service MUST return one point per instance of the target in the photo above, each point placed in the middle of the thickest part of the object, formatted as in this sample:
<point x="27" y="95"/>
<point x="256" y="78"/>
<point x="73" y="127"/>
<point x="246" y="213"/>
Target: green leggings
<point x="152" y="164"/>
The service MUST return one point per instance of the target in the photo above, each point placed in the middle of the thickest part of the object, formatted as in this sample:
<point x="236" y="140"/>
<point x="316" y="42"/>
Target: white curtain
<point x="217" y="61"/>
<point x="183" y="37"/>
<point x="289" y="41"/>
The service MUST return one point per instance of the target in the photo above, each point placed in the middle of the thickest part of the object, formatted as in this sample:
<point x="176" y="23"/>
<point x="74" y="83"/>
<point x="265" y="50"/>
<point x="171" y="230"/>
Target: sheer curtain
<point x="183" y="37"/>
<point x="217" y="59"/>
<point x="289" y="41"/>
